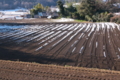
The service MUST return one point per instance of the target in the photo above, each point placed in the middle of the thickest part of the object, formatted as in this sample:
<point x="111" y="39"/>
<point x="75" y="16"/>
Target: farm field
<point x="92" y="45"/>
<point x="10" y="70"/>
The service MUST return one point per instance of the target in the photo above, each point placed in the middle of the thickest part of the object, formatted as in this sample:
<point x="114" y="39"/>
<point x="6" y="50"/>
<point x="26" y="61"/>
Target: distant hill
<point x="11" y="4"/>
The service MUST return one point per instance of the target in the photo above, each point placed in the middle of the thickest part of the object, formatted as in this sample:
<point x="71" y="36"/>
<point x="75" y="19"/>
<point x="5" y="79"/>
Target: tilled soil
<point x="10" y="70"/>
<point x="92" y="45"/>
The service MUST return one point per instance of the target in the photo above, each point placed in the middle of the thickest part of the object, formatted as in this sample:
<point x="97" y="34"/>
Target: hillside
<point x="11" y="4"/>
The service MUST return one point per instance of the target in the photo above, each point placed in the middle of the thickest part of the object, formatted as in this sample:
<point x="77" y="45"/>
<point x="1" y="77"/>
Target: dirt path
<point x="10" y="70"/>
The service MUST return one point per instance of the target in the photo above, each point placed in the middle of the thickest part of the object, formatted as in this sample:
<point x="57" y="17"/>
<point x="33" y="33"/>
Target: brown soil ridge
<point x="15" y="70"/>
<point x="35" y="21"/>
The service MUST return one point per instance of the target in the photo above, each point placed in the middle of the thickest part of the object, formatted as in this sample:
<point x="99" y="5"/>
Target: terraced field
<point x="10" y="70"/>
<point x="93" y="45"/>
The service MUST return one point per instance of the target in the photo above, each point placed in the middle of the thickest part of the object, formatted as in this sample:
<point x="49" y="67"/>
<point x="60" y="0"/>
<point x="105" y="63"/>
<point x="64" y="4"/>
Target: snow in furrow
<point x="81" y="49"/>
<point x="104" y="54"/>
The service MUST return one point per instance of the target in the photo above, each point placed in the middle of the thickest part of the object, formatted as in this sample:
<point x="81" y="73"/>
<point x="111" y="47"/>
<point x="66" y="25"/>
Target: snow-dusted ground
<point x="63" y="20"/>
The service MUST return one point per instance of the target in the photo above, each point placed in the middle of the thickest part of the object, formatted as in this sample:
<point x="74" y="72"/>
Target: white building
<point x="10" y="15"/>
<point x="54" y="9"/>
<point x="46" y="15"/>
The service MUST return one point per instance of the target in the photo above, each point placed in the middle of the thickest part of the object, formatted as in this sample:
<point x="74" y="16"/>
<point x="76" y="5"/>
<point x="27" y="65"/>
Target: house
<point x="54" y="15"/>
<point x="54" y="9"/>
<point x="36" y="16"/>
<point x="48" y="15"/>
<point x="43" y="14"/>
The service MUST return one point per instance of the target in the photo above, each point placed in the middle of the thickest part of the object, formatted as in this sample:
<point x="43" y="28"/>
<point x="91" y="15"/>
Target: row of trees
<point x="91" y="10"/>
<point x="12" y="4"/>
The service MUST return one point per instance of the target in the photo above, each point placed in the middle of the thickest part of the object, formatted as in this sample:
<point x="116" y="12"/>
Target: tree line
<point x="90" y="10"/>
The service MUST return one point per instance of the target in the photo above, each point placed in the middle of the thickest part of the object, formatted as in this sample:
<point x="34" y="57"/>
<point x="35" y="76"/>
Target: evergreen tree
<point x="39" y="7"/>
<point x="36" y="9"/>
<point x="62" y="10"/>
